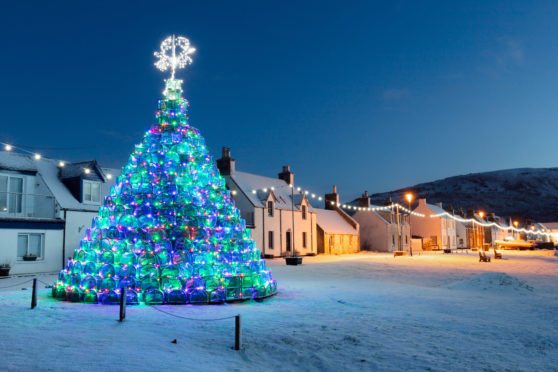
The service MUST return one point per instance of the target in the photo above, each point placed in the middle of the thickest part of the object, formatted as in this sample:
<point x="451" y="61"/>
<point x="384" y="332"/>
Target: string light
<point x="8" y="147"/>
<point x="61" y="164"/>
<point x="37" y="156"/>
<point x="169" y="231"/>
<point x="492" y="224"/>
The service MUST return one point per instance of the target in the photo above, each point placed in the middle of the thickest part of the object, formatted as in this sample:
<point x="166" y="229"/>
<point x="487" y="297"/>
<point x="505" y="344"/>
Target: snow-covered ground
<point x="352" y="312"/>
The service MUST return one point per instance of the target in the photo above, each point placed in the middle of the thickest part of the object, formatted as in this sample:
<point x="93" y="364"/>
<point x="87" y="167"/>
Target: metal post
<point x="410" y="234"/>
<point x="237" y="332"/>
<point x="122" y="304"/>
<point x="34" y="294"/>
<point x="398" y="231"/>
<point x="293" y="237"/>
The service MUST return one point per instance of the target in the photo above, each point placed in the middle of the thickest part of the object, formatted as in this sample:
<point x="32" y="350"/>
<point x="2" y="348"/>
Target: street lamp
<point x="409" y="196"/>
<point x="515" y="223"/>
<point x="481" y="214"/>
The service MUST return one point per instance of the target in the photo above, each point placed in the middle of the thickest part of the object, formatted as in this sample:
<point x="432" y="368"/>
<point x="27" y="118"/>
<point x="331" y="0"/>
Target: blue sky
<point x="366" y="95"/>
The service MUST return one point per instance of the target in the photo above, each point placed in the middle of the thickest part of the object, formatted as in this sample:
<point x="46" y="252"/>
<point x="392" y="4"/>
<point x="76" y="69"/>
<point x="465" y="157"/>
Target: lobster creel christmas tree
<point x="169" y="231"/>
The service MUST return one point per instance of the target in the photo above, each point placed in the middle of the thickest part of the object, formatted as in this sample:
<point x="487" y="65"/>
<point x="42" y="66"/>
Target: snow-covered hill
<point x="530" y="193"/>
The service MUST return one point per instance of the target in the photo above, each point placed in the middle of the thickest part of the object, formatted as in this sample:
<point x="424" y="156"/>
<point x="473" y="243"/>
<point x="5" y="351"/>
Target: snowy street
<point x="354" y="312"/>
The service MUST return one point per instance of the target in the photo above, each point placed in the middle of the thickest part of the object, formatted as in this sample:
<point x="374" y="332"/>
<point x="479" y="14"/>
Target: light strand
<point x="492" y="224"/>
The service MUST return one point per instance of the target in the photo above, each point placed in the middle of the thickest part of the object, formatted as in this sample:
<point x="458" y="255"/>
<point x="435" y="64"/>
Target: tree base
<point x="293" y="260"/>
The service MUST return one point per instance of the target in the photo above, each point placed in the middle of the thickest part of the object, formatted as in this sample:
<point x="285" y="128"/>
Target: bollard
<point x="122" y="304"/>
<point x="34" y="294"/>
<point x="237" y="332"/>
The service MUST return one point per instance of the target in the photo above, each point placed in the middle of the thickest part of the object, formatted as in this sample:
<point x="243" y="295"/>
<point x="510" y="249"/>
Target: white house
<point x="436" y="232"/>
<point x="379" y="229"/>
<point x="45" y="208"/>
<point x="274" y="212"/>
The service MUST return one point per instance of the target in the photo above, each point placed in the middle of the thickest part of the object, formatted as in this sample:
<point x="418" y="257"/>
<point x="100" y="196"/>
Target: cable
<point x="15" y="285"/>
<point x="183" y="317"/>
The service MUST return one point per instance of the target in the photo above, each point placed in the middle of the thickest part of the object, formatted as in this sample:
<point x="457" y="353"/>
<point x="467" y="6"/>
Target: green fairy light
<point x="169" y="231"/>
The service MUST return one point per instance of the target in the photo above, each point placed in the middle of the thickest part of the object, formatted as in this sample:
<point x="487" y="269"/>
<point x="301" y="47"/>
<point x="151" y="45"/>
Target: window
<point x="270" y="239"/>
<point x="270" y="208"/>
<point x="393" y="240"/>
<point x="303" y="212"/>
<point x="91" y="192"/>
<point x="304" y="240"/>
<point x="11" y="194"/>
<point x="30" y="244"/>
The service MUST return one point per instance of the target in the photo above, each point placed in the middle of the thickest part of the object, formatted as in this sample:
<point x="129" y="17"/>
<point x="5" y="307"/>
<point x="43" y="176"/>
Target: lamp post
<point x="515" y="223"/>
<point x="481" y="214"/>
<point x="409" y="198"/>
<point x="293" y="260"/>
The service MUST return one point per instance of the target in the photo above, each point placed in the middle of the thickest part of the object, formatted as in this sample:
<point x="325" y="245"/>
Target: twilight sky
<point x="363" y="95"/>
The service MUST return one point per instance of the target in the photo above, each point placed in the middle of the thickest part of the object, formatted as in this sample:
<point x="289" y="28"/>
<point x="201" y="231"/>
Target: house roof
<point x="437" y="210"/>
<point x="332" y="222"/>
<point x="48" y="170"/>
<point x="253" y="186"/>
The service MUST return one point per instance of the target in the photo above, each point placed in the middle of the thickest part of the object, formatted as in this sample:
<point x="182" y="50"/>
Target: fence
<point x="122" y="312"/>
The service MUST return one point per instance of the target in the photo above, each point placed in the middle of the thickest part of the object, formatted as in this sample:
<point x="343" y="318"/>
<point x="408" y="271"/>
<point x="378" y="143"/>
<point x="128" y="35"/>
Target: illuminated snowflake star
<point x="174" y="60"/>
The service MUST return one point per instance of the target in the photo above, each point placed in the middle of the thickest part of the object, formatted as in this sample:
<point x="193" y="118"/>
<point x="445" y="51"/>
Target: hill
<point x="530" y="193"/>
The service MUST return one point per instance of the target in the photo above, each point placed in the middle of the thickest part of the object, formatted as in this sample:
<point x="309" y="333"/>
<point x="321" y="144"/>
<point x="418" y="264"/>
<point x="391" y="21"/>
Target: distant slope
<point x="524" y="192"/>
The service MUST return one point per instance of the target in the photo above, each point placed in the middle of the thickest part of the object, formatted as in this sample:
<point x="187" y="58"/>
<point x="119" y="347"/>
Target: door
<point x="288" y="241"/>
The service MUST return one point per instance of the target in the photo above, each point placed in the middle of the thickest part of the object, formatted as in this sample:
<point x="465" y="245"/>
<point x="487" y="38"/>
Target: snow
<point x="366" y="311"/>
<point x="333" y="223"/>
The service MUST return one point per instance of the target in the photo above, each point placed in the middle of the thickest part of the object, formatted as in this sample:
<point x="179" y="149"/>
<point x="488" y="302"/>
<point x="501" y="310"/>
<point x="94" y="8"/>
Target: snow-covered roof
<point x="332" y="222"/>
<point x="48" y="170"/>
<point x="253" y="186"/>
<point x="435" y="209"/>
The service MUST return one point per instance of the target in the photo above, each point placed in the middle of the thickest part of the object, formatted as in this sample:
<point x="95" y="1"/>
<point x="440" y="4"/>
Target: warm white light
<point x="253" y="191"/>
<point x="319" y="198"/>
<point x="233" y="192"/>
<point x="109" y="176"/>
<point x="61" y="164"/>
<point x="8" y="148"/>
<point x="37" y="156"/>
<point x="87" y="170"/>
<point x="168" y="58"/>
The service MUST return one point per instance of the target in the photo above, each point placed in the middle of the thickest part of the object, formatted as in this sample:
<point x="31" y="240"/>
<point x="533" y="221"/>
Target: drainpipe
<point x="64" y="241"/>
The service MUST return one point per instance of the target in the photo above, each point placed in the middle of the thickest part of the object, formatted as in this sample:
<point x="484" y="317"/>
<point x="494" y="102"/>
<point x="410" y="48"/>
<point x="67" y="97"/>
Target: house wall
<point x="77" y="224"/>
<point x="52" y="251"/>
<point x="461" y="235"/>
<point x="426" y="227"/>
<point x="341" y="243"/>
<point x="378" y="235"/>
<point x="280" y="223"/>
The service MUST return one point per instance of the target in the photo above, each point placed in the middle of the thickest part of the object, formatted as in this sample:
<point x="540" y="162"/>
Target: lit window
<point x="91" y="192"/>
<point x="303" y="212"/>
<point x="270" y="208"/>
<point x="30" y="245"/>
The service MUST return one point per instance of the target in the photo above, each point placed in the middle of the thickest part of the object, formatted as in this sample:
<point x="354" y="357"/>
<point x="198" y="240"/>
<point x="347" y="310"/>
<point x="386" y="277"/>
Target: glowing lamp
<point x="8" y="148"/>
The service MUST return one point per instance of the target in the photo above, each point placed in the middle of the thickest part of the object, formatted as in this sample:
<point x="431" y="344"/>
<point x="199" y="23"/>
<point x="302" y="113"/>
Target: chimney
<point x="333" y="197"/>
<point x="364" y="200"/>
<point x="226" y="164"/>
<point x="439" y="204"/>
<point x="287" y="175"/>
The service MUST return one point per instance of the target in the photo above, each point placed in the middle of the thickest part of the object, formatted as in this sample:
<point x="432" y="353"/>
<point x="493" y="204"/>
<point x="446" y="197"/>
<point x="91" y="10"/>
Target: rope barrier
<point x="183" y="317"/>
<point x="15" y="285"/>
